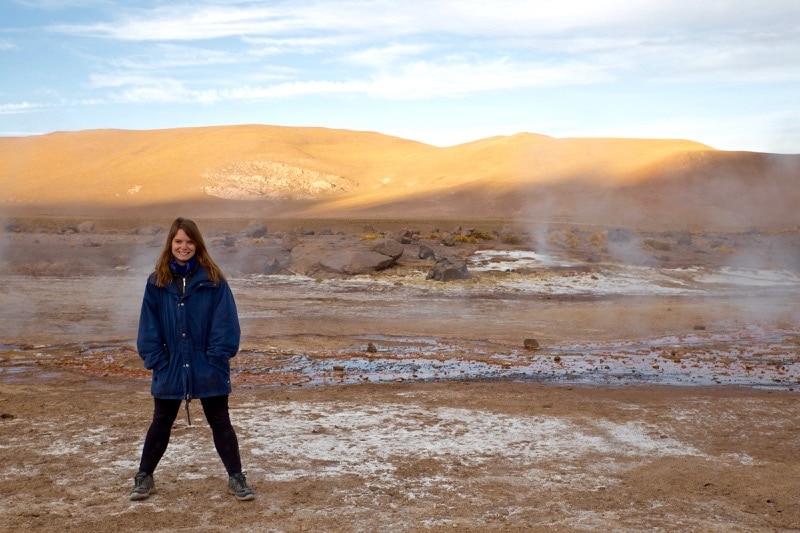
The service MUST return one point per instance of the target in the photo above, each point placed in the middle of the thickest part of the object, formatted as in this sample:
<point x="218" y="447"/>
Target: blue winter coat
<point x="188" y="340"/>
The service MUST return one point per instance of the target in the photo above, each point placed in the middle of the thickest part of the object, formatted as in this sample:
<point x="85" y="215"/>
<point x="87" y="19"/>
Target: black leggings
<point x="164" y="414"/>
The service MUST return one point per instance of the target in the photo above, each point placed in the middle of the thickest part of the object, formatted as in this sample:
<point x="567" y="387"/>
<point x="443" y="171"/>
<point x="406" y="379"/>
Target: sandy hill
<point x="272" y="171"/>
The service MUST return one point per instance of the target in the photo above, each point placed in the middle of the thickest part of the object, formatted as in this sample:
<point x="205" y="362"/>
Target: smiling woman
<point x="183" y="248"/>
<point x="188" y="333"/>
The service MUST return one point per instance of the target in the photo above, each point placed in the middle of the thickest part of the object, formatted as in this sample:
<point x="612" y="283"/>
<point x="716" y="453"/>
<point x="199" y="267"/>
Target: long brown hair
<point x="163" y="275"/>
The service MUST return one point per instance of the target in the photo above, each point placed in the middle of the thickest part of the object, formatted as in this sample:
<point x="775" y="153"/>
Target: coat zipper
<point x="188" y="396"/>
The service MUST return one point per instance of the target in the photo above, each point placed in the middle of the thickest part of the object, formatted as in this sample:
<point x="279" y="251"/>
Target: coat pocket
<point x="160" y="371"/>
<point x="165" y="382"/>
<point x="212" y="376"/>
<point x="156" y="364"/>
<point x="220" y="363"/>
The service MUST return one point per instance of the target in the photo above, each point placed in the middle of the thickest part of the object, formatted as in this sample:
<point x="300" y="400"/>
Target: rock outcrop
<point x="343" y="258"/>
<point x="449" y="269"/>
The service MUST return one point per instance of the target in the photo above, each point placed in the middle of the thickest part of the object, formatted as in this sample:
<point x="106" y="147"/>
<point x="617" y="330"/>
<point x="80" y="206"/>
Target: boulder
<point x="255" y="229"/>
<point x="86" y="226"/>
<point x="272" y="266"/>
<point x="426" y="252"/>
<point x="388" y="247"/>
<point x="290" y="241"/>
<point x="354" y="262"/>
<point x="531" y="344"/>
<point x="404" y="236"/>
<point x="344" y="258"/>
<point x="619" y="235"/>
<point x="449" y="269"/>
<point x="148" y="230"/>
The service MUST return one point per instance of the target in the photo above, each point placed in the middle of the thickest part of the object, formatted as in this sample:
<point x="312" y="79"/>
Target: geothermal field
<point x="555" y="387"/>
<point x="616" y="353"/>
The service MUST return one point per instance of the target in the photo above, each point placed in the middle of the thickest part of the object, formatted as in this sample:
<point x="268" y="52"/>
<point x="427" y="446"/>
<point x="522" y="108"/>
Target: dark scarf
<point x="183" y="270"/>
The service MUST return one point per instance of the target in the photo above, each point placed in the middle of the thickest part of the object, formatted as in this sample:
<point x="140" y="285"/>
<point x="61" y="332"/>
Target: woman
<point x="188" y="331"/>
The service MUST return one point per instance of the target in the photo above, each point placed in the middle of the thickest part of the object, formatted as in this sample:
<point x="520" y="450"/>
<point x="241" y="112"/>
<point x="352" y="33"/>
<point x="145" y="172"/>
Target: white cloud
<point x="170" y="56"/>
<point x="671" y="41"/>
<point x="384" y="19"/>
<point x="415" y="80"/>
<point x="189" y="23"/>
<point x="428" y="79"/>
<point x="20" y="107"/>
<point x="263" y="46"/>
<point x="283" y="90"/>
<point x="120" y="80"/>
<point x="385" y="55"/>
<point x="142" y="89"/>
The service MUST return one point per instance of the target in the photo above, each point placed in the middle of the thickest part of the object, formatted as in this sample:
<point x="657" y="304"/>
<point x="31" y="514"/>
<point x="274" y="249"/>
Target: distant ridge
<point x="267" y="171"/>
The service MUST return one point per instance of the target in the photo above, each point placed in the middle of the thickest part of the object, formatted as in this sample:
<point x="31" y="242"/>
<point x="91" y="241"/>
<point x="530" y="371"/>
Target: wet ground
<point x="719" y="326"/>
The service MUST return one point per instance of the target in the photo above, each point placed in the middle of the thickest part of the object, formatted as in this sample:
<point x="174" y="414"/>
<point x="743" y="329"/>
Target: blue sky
<point x="724" y="73"/>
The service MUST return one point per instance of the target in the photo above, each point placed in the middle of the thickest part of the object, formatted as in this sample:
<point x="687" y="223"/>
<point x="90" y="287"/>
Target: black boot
<point x="237" y="485"/>
<point x="143" y="485"/>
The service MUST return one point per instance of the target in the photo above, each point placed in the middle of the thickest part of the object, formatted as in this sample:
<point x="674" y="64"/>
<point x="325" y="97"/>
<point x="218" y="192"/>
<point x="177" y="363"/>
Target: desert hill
<point x="273" y="171"/>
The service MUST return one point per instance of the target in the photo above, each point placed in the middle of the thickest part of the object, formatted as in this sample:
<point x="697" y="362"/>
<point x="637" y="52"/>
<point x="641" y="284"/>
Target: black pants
<point x="164" y="414"/>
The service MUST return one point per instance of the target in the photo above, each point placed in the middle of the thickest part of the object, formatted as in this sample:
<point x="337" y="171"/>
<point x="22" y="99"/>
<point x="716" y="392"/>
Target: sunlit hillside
<point x="253" y="170"/>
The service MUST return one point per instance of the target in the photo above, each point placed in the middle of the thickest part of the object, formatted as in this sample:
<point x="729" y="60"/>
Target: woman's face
<point x="183" y="247"/>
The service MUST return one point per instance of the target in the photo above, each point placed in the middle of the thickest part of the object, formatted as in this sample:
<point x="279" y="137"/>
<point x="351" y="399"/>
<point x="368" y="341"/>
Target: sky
<point x="725" y="73"/>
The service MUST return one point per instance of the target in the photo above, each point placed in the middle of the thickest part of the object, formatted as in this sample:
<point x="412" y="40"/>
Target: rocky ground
<point x="389" y="401"/>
